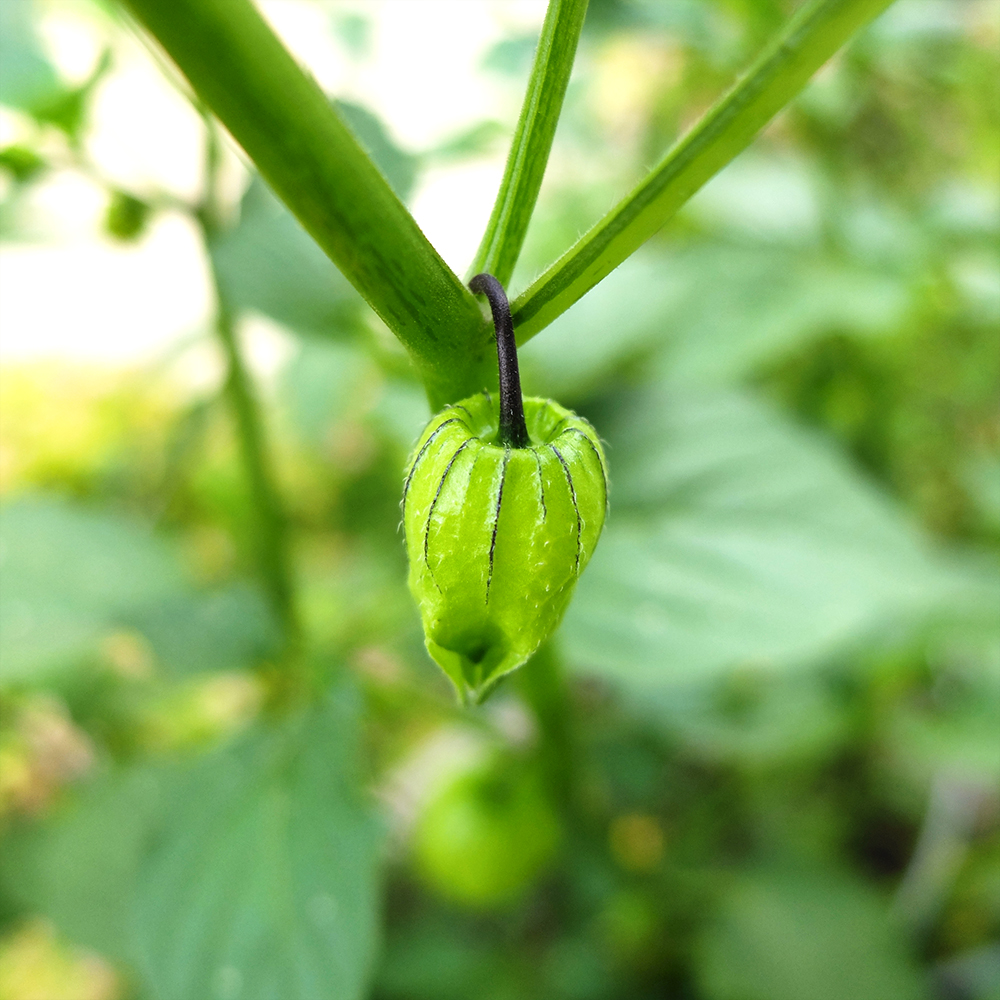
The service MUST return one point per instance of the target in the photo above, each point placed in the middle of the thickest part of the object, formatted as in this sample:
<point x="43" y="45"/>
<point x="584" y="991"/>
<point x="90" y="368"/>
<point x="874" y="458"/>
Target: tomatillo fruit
<point x="503" y="503"/>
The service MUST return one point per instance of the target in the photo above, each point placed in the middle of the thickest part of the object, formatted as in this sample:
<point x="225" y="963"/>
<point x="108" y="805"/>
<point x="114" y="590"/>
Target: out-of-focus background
<point x="761" y="759"/>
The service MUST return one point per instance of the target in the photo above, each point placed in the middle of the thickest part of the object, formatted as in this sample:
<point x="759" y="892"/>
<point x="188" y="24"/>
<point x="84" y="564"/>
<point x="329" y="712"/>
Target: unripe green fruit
<point x="485" y="836"/>
<point x="498" y="535"/>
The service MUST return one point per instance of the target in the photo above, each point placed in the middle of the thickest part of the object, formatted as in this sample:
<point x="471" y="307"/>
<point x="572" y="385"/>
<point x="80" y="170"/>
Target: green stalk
<point x="543" y="683"/>
<point x="279" y="115"/>
<point x="529" y="151"/>
<point x="816" y="32"/>
<point x="271" y="524"/>
<point x="271" y="541"/>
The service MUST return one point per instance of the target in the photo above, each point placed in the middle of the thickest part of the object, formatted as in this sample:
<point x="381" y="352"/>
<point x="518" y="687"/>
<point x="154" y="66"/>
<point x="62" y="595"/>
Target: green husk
<point x="497" y="536"/>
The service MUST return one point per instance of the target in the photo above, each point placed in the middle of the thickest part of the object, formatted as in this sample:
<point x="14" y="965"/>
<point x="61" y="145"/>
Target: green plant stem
<point x="279" y="115"/>
<point x="271" y="524"/>
<point x="271" y="541"/>
<point x="529" y="151"/>
<point x="814" y="34"/>
<point x="543" y="683"/>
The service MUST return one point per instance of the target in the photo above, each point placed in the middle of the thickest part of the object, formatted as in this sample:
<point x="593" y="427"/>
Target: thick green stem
<point x="529" y="150"/>
<point x="814" y="34"/>
<point x="279" y="115"/>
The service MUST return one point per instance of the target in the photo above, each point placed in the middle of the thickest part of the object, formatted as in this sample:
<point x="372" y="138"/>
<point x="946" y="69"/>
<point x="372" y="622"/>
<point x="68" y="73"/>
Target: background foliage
<point x="760" y="759"/>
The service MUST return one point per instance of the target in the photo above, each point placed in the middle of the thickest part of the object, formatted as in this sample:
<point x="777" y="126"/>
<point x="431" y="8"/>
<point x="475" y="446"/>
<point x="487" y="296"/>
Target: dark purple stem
<point x="513" y="431"/>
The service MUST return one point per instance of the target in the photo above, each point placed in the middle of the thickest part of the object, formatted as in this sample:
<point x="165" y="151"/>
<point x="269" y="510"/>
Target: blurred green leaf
<point x="23" y="163"/>
<point x="745" y="307"/>
<point x="477" y="140"/>
<point x="193" y="632"/>
<point x="511" y="56"/>
<point x="758" y="721"/>
<point x="736" y="539"/>
<point x="974" y="973"/>
<point x="267" y="840"/>
<point x="268" y="262"/>
<point x="401" y="412"/>
<point x="981" y="475"/>
<point x="355" y="31"/>
<point x="27" y="78"/>
<point x="436" y="961"/>
<point x="50" y="102"/>
<point x="962" y="741"/>
<point x="711" y="313"/>
<point x="953" y="729"/>
<point x="621" y="319"/>
<point x="68" y="576"/>
<point x="126" y="216"/>
<point x="323" y="383"/>
<point x="690" y="20"/>
<point x="398" y="167"/>
<point x="78" y="866"/>
<point x="67" y="110"/>
<point x="786" y="936"/>
<point x="771" y="198"/>
<point x="263" y="883"/>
